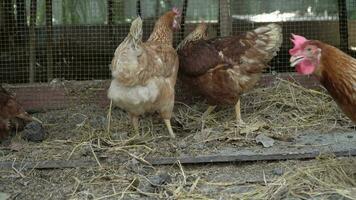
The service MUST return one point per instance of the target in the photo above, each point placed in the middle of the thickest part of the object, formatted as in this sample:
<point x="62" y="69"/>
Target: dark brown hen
<point x="9" y="108"/>
<point x="221" y="69"/>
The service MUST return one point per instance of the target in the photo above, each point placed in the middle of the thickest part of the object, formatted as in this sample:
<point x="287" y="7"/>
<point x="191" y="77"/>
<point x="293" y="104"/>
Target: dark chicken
<point x="221" y="69"/>
<point x="10" y="108"/>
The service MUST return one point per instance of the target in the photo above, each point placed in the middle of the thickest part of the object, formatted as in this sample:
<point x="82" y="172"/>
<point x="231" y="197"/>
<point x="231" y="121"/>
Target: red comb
<point x="298" y="41"/>
<point x="176" y="11"/>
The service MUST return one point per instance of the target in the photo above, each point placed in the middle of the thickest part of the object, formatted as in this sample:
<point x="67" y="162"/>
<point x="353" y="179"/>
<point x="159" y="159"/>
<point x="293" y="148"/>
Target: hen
<point x="144" y="73"/>
<point x="221" y="69"/>
<point x="10" y="108"/>
<point x="335" y="70"/>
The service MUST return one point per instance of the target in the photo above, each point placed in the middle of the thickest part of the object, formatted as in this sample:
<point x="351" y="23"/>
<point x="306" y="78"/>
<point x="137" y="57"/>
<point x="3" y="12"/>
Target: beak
<point x="28" y="117"/>
<point x="178" y="25"/>
<point x="295" y="60"/>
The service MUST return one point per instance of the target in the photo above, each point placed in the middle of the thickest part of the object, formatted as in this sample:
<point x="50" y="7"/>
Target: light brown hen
<point x="144" y="73"/>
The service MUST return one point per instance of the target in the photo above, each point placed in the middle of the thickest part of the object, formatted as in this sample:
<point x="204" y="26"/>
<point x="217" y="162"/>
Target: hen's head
<point x="305" y="55"/>
<point x="170" y="19"/>
<point x="10" y="108"/>
<point x="200" y="32"/>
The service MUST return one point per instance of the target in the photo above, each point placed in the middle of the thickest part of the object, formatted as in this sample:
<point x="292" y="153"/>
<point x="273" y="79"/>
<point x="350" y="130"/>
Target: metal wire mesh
<point x="42" y="40"/>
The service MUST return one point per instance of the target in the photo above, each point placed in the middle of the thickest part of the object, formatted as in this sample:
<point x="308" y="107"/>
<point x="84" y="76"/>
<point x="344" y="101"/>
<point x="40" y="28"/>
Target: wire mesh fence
<point x="42" y="40"/>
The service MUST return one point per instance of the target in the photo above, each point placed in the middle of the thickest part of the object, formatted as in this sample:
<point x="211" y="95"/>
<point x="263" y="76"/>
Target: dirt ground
<point x="81" y="132"/>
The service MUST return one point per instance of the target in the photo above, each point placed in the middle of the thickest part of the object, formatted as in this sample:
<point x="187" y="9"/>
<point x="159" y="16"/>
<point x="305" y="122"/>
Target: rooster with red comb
<point x="335" y="70"/>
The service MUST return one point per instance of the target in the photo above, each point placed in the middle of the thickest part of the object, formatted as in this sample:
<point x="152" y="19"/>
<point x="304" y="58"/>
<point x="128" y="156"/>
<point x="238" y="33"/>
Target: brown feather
<point x="337" y="73"/>
<point x="223" y="68"/>
<point x="9" y="108"/>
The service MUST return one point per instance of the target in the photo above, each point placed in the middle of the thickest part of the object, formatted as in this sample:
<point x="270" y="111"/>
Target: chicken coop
<point x="55" y="56"/>
<point x="58" y="40"/>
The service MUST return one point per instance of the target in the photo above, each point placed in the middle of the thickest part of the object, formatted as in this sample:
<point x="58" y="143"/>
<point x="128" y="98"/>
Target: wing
<point x="136" y="67"/>
<point x="198" y="57"/>
<point x="250" y="51"/>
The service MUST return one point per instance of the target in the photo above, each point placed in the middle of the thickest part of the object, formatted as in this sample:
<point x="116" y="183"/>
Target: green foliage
<point x="95" y="11"/>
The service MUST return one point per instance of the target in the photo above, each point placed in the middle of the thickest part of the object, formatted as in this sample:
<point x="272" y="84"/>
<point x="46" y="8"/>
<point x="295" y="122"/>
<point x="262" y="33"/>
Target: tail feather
<point x="266" y="41"/>
<point x="269" y="39"/>
<point x="135" y="34"/>
<point x="125" y="64"/>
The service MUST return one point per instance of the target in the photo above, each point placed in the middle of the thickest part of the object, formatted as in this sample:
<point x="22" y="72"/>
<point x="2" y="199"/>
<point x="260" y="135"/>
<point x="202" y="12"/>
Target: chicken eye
<point x="309" y="49"/>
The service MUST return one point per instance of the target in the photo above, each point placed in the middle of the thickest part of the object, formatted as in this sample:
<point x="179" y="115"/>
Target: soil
<point x="81" y="132"/>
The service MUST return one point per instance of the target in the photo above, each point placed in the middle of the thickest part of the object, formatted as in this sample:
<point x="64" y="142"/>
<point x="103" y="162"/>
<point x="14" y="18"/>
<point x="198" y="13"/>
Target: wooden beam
<point x="32" y="42"/>
<point x="245" y="157"/>
<point x="182" y="22"/>
<point x="138" y="8"/>
<point x="110" y="12"/>
<point x="225" y="20"/>
<point x="49" y="41"/>
<point x="343" y="26"/>
<point x="48" y="164"/>
<point x="237" y="157"/>
<point x="44" y="96"/>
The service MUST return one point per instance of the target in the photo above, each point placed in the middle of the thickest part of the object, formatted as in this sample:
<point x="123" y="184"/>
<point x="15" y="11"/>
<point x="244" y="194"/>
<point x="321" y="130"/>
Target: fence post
<point x="32" y="42"/>
<point x="49" y="30"/>
<point x="225" y="18"/>
<point x="182" y="22"/>
<point x="138" y="8"/>
<point x="343" y="25"/>
<point x="110" y="12"/>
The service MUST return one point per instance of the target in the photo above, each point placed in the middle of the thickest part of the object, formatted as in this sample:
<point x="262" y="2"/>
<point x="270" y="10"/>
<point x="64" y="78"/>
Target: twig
<point x="76" y="186"/>
<point x="136" y="157"/>
<point x="109" y="118"/>
<point x="76" y="146"/>
<point x="183" y="174"/>
<point x="192" y="188"/>
<point x="96" y="158"/>
<point x="17" y="171"/>
<point x="128" y="187"/>
<point x="264" y="177"/>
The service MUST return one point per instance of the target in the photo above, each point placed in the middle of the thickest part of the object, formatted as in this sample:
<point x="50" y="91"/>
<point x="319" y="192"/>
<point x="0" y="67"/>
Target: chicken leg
<point x="238" y="113"/>
<point x="134" y="120"/>
<point x="170" y="130"/>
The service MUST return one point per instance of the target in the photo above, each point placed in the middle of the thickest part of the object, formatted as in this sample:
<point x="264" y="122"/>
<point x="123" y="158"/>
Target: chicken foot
<point x="238" y="113"/>
<point x="169" y="126"/>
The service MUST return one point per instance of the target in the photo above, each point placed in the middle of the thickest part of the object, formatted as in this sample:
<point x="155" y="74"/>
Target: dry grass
<point x="288" y="107"/>
<point x="330" y="178"/>
<point x="279" y="111"/>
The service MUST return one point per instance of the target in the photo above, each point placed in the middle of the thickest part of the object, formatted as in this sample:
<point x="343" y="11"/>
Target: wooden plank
<point x="245" y="157"/>
<point x="48" y="164"/>
<point x="44" y="96"/>
<point x="238" y="157"/>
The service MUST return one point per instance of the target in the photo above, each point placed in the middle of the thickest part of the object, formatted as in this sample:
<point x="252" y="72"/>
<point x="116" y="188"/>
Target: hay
<point x="288" y="107"/>
<point x="330" y="178"/>
<point x="279" y="111"/>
